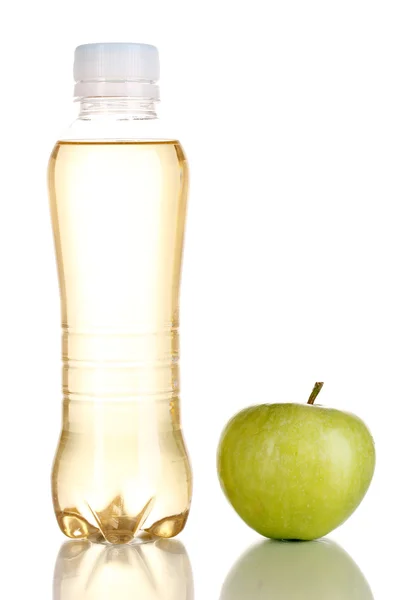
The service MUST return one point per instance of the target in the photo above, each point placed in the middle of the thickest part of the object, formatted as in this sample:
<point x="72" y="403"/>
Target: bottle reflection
<point x="296" y="571"/>
<point x="154" y="571"/>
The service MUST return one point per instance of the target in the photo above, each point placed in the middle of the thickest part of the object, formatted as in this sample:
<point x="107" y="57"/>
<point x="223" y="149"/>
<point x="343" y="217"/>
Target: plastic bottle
<point x="118" y="193"/>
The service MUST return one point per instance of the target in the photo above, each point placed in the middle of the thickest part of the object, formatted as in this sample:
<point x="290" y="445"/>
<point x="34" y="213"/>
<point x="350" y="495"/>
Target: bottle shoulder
<point x="77" y="153"/>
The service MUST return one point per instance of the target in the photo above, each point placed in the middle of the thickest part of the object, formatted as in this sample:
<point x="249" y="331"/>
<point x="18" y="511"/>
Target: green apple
<point x="293" y="471"/>
<point x="320" y="570"/>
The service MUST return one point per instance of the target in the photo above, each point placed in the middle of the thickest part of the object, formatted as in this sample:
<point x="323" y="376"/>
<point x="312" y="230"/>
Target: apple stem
<point x="316" y="390"/>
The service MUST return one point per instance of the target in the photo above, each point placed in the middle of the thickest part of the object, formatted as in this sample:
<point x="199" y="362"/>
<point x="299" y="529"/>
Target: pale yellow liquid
<point x="118" y="211"/>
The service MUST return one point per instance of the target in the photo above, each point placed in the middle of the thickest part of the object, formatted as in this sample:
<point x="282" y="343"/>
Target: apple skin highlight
<point x="293" y="471"/>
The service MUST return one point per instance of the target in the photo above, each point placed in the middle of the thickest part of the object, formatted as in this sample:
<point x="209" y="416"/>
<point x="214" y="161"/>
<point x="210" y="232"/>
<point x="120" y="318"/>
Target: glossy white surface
<point x="230" y="565"/>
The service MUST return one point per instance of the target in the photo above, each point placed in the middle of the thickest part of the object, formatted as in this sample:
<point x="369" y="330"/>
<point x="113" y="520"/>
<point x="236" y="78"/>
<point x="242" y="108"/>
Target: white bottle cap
<point x="116" y="70"/>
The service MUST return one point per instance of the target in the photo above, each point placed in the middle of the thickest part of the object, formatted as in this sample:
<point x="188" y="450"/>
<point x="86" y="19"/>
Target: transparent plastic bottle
<point x="118" y="192"/>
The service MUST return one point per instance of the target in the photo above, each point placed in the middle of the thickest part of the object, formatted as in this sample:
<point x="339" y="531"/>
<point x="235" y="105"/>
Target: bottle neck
<point x="121" y="108"/>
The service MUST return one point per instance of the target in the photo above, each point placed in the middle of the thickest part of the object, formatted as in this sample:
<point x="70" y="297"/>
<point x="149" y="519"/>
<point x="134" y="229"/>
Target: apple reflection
<point x="296" y="571"/>
<point x="153" y="571"/>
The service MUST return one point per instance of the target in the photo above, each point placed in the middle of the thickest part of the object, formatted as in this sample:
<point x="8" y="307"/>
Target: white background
<point x="289" y="114"/>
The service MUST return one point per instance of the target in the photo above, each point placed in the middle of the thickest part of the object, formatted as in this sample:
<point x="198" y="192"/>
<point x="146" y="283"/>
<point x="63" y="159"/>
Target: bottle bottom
<point x="121" y="471"/>
<point x="119" y="530"/>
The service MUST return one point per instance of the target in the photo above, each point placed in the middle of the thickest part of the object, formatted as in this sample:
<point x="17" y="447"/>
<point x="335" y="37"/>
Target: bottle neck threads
<point x="120" y="107"/>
